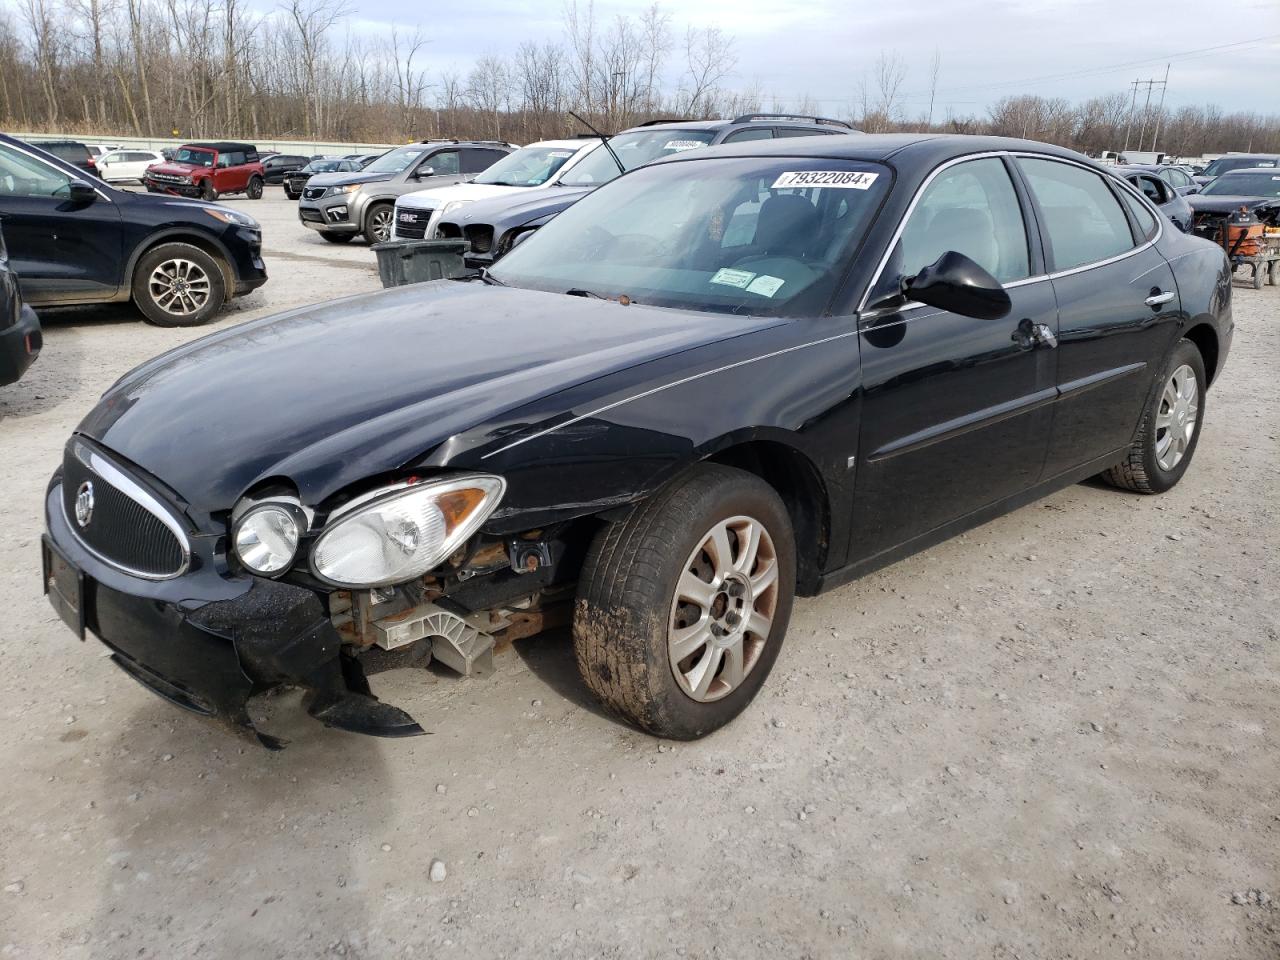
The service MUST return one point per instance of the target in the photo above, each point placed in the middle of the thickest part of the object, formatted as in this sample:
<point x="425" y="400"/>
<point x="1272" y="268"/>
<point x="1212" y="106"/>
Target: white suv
<point x="537" y="165"/>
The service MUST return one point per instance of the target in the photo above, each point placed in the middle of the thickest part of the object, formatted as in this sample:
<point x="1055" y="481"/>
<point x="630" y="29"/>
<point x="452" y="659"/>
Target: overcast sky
<point x="988" y="49"/>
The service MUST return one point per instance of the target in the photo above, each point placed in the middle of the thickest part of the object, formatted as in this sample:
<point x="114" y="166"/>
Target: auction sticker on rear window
<point x="845" y="179"/>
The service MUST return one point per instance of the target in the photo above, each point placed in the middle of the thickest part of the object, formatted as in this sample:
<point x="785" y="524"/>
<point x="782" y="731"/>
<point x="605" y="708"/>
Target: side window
<point x="970" y="208"/>
<point x="1146" y="222"/>
<point x="22" y="176"/>
<point x="233" y="159"/>
<point x="1082" y="218"/>
<point x="444" y="163"/>
<point x="803" y="132"/>
<point x="1150" y="188"/>
<point x="477" y="161"/>
<point x="751" y="133"/>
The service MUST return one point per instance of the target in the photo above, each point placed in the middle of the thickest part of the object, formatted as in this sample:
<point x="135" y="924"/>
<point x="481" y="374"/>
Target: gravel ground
<point x="1052" y="737"/>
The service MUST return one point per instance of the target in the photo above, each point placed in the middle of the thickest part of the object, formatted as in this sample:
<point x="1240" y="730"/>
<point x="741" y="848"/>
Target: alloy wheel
<point x="380" y="225"/>
<point x="179" y="287"/>
<point x="723" y="609"/>
<point x="1177" y="417"/>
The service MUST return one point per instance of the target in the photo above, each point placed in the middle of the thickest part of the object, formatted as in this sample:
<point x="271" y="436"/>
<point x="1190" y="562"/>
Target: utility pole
<point x="1160" y="110"/>
<point x="1128" y="124"/>
<point x="1146" y="107"/>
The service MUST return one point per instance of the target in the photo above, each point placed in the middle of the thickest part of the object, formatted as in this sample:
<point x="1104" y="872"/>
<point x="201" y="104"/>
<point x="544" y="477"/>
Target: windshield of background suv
<point x="527" y="167"/>
<point x="1245" y="185"/>
<point x="735" y="235"/>
<point x="195" y="157"/>
<point x="393" y="161"/>
<point x="634" y="150"/>
<point x="1220" y="166"/>
<point x="326" y="166"/>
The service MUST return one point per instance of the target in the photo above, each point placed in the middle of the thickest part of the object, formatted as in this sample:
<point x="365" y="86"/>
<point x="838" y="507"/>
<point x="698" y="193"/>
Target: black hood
<point x="506" y="212"/>
<point x="1226" y="204"/>
<point x="331" y="394"/>
<point x="346" y="179"/>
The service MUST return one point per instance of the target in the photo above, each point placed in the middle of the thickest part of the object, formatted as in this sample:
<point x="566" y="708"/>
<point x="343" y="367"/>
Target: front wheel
<point x="1166" y="439"/>
<point x="255" y="188"/>
<point x="377" y="223"/>
<point x="178" y="285"/>
<point x="208" y="191"/>
<point x="683" y="606"/>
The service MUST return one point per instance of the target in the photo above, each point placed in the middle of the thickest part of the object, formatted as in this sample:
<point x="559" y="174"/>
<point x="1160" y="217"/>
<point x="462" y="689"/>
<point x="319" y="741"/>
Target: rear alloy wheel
<point x="683" y="606"/>
<point x="377" y="224"/>
<point x="255" y="188"/>
<point x="178" y="285"/>
<point x="337" y="237"/>
<point x="1166" y="439"/>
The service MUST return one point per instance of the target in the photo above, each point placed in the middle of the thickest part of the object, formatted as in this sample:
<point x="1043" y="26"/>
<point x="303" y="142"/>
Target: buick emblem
<point x="84" y="503"/>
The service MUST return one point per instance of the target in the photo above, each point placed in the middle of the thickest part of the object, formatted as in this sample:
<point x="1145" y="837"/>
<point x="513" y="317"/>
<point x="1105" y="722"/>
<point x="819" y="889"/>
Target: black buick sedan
<point x="722" y="380"/>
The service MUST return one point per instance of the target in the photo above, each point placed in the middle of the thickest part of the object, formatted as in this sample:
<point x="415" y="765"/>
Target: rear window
<point x="71" y="152"/>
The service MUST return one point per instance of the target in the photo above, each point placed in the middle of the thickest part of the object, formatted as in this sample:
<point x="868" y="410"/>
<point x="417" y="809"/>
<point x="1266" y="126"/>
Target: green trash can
<point x="417" y="261"/>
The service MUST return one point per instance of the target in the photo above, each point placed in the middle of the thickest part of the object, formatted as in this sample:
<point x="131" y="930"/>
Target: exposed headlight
<point x="349" y="188"/>
<point x="227" y="215"/>
<point x="266" y="537"/>
<point x="399" y="533"/>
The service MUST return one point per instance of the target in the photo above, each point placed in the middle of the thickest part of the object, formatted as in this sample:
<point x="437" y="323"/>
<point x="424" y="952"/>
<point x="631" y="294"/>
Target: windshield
<point x="735" y="235"/>
<point x="1220" y="166"/>
<point x="527" y="167"/>
<point x="194" y="156"/>
<point x="326" y="166"/>
<point x="1245" y="185"/>
<point x="393" y="161"/>
<point x="634" y="150"/>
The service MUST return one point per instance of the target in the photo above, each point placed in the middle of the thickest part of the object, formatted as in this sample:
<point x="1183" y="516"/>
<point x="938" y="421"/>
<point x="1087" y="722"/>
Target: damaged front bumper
<point x="207" y="641"/>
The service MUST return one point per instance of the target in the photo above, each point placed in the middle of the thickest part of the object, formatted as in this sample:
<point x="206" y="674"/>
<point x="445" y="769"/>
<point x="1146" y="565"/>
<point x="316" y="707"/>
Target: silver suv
<point x="344" y="205"/>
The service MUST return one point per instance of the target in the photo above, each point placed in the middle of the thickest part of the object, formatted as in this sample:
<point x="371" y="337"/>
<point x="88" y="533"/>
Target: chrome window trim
<point x="915" y="200"/>
<point x="21" y="148"/>
<point x="139" y="495"/>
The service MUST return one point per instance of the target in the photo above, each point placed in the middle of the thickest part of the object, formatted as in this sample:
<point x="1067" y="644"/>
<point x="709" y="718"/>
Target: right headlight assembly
<point x="399" y="533"/>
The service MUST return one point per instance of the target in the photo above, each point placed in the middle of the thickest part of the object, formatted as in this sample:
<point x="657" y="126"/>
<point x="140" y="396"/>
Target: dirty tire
<point x="628" y="585"/>
<point x="208" y="191"/>
<point x="1140" y="470"/>
<point x="337" y="237"/>
<point x="378" y="223"/>
<point x="255" y="188"/>
<point x="153" y="310"/>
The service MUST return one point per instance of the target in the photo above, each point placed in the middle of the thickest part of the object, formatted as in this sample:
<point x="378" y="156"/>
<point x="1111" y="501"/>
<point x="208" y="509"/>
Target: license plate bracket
<point x="63" y="585"/>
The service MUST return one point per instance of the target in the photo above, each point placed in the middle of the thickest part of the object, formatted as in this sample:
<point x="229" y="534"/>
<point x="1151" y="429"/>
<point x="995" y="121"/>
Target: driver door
<point x="62" y="251"/>
<point x="956" y="411"/>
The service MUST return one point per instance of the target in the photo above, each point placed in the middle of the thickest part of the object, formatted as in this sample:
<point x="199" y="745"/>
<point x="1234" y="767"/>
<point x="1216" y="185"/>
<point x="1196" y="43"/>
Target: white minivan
<point x="127" y="164"/>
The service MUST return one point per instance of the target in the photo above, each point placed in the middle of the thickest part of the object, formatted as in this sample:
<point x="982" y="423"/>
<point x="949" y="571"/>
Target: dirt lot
<point x="1053" y="737"/>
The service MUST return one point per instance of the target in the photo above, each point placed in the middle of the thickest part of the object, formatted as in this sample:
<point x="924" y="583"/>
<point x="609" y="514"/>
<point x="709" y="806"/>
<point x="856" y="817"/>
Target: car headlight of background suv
<point x="339" y="191"/>
<point x="398" y="533"/>
<point x="453" y="205"/>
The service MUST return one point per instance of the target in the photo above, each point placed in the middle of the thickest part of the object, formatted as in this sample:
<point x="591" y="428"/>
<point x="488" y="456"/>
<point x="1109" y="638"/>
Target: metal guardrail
<point x="304" y="147"/>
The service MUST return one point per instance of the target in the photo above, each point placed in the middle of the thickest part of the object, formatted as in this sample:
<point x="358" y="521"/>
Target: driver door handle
<point x="1156" y="299"/>
<point x="1031" y="334"/>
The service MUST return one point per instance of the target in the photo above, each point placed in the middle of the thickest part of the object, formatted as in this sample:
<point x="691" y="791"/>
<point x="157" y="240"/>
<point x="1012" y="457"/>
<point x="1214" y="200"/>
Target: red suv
<point x="208" y="170"/>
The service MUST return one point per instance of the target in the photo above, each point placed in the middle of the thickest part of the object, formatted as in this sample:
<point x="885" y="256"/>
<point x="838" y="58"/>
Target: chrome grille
<point x="412" y="224"/>
<point x="128" y="527"/>
<point x="168" y="178"/>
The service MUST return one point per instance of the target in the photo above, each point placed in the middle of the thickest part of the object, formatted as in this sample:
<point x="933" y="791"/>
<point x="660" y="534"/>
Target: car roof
<point x="576" y="144"/>
<point x="1271" y="171"/>
<point x="923" y="148"/>
<point x="221" y="145"/>
<point x="748" y="120"/>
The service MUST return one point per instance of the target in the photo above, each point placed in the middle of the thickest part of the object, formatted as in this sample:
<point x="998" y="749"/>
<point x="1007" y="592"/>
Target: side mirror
<point x="80" y="192"/>
<point x="425" y="172"/>
<point x="958" y="284"/>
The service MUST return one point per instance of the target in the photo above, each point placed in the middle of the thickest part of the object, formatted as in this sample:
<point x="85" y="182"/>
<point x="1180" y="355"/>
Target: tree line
<point x="202" y="69"/>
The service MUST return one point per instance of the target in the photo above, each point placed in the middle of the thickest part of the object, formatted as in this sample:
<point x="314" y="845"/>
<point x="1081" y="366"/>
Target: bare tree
<point x="710" y="58"/>
<point x="312" y="20"/>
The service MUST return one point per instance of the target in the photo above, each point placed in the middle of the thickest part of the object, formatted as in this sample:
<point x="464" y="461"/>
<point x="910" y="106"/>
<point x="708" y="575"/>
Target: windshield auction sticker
<point x="733" y="278"/>
<point x="683" y="145"/>
<point x="844" y="179"/>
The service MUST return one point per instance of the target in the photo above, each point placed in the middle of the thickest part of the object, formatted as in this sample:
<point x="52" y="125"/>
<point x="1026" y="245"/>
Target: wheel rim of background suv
<point x="723" y="608"/>
<point x="179" y="287"/>
<point x="380" y="225"/>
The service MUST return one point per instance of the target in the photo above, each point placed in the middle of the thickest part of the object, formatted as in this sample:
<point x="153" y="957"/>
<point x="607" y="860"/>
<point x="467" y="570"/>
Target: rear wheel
<point x="337" y="237"/>
<point x="208" y="191"/>
<point x="1166" y="439"/>
<point x="178" y="285"/>
<point x="377" y="223"/>
<point x="255" y="188"/>
<point x="682" y="607"/>
<point x="290" y="194"/>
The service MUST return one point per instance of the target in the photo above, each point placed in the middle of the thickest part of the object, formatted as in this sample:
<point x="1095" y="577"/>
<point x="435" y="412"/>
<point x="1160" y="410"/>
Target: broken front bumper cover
<point x="207" y="642"/>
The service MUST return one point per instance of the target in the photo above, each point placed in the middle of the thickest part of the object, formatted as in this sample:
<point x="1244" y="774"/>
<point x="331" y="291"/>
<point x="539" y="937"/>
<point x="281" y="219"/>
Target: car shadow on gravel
<point x="549" y="657"/>
<point x="56" y="374"/>
<point x="200" y="815"/>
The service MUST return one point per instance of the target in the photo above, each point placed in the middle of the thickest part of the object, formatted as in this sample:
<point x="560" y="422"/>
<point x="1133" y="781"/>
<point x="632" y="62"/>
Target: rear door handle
<point x="1156" y="299"/>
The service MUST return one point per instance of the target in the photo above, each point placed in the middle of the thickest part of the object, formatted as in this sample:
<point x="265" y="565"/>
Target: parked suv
<point x="1236" y="161"/>
<point x="208" y="170"/>
<point x="276" y="168"/>
<point x="344" y="205"/>
<point x="296" y="180"/>
<point x="493" y="226"/>
<point x="19" y="327"/>
<point x="75" y="242"/>
<point x="72" y="151"/>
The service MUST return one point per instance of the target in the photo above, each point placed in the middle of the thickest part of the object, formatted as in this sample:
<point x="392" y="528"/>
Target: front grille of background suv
<point x="314" y="193"/>
<point x="411" y="224"/>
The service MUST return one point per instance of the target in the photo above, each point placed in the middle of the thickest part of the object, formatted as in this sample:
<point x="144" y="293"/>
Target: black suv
<point x="70" y="151"/>
<point x="279" y="166"/>
<point x="494" y="225"/>
<point x="76" y="242"/>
